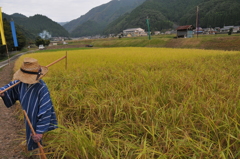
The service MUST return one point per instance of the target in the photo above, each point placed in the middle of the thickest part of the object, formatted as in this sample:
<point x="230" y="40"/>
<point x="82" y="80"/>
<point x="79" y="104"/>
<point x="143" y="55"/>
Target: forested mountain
<point x="167" y="14"/>
<point x="37" y="24"/>
<point x="27" y="34"/>
<point x="162" y="14"/>
<point x="214" y="13"/>
<point x="18" y="15"/>
<point x="99" y="17"/>
<point x="117" y="15"/>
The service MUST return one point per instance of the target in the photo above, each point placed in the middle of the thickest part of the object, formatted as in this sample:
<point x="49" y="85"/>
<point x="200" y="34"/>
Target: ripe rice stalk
<point x="145" y="103"/>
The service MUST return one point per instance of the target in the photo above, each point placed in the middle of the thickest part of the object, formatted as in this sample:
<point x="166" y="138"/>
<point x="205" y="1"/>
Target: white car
<point x="41" y="47"/>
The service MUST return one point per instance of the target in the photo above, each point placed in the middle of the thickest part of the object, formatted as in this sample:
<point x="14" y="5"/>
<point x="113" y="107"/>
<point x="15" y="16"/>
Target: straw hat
<point x="30" y="72"/>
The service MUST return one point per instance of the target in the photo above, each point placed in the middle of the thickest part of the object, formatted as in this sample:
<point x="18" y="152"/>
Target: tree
<point x="9" y="40"/>
<point x="39" y="41"/>
<point x="230" y="31"/>
<point x="47" y="42"/>
<point x="21" y="40"/>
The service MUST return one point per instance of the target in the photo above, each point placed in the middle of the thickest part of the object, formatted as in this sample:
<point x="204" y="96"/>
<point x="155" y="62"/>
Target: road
<point x="10" y="127"/>
<point x="6" y="62"/>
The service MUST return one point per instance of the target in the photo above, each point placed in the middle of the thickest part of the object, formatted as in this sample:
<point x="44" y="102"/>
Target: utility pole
<point x="197" y="27"/>
<point x="149" y="33"/>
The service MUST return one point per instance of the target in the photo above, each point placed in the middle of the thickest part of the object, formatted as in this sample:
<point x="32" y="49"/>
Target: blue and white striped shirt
<point x="36" y="101"/>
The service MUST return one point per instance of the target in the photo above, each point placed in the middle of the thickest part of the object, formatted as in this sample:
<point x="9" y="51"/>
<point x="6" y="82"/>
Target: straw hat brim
<point x="29" y="78"/>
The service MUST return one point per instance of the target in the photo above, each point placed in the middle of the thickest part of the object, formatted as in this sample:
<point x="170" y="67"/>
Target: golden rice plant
<point x="144" y="103"/>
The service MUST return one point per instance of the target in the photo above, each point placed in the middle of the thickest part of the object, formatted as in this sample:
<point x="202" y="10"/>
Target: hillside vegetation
<point x="27" y="34"/>
<point x="117" y="15"/>
<point x="163" y="14"/>
<point x="37" y="24"/>
<point x="214" y="13"/>
<point x="95" y="21"/>
<point x="20" y="33"/>
<point x="213" y="42"/>
<point x="166" y="14"/>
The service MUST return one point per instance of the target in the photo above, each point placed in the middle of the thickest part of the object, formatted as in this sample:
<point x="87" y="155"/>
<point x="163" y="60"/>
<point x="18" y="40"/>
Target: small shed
<point x="185" y="31"/>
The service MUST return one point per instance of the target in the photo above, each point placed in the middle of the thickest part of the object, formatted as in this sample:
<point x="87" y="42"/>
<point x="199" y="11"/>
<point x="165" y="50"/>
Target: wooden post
<point x="8" y="55"/>
<point x="43" y="156"/>
<point x="66" y="61"/>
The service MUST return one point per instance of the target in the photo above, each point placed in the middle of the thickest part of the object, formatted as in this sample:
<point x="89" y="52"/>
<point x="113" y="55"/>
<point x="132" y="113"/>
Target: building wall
<point x="189" y="34"/>
<point x="134" y="32"/>
<point x="181" y="33"/>
<point x="185" y="33"/>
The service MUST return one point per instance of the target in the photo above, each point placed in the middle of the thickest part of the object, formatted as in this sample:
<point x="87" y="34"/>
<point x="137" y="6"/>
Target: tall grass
<point x="145" y="103"/>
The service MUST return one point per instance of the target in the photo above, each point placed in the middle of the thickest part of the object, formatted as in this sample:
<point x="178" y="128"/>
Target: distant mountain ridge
<point x="18" y="15"/>
<point x="27" y="34"/>
<point x="100" y="16"/>
<point x="214" y="13"/>
<point x="37" y="24"/>
<point x="62" y="23"/>
<point x="162" y="14"/>
<point x="117" y="15"/>
<point x="168" y="14"/>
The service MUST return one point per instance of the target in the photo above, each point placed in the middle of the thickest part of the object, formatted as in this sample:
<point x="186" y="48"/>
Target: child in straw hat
<point x="34" y="98"/>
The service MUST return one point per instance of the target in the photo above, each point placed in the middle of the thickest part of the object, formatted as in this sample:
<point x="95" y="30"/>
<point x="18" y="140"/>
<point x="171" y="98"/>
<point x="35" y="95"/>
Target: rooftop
<point x="185" y="27"/>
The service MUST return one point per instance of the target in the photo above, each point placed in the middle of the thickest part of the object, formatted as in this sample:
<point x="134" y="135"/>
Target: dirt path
<point x="12" y="133"/>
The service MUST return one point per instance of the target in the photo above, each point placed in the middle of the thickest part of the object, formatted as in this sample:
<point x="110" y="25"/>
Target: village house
<point x="217" y="29"/>
<point x="198" y="30"/>
<point x="236" y="29"/>
<point x="185" y="31"/>
<point x="226" y="28"/>
<point x="53" y="43"/>
<point x="209" y="31"/>
<point x="134" y="32"/>
<point x="168" y="32"/>
<point x="157" y="33"/>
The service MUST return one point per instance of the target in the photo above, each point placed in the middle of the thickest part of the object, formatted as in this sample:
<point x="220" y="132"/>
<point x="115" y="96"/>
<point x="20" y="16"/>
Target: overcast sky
<point x="57" y="10"/>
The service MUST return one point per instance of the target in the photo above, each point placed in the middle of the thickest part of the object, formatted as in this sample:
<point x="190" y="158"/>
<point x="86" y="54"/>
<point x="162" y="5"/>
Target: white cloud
<point x="57" y="10"/>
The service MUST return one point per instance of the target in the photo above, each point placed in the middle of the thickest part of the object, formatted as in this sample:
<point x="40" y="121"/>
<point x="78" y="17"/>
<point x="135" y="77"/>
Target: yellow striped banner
<point x="1" y="28"/>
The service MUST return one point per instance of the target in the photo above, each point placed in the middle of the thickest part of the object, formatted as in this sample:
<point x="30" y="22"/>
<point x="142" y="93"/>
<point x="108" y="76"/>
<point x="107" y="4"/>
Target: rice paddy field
<point x="144" y="103"/>
<point x="210" y="42"/>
